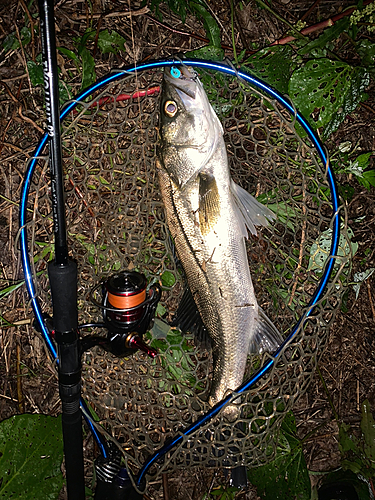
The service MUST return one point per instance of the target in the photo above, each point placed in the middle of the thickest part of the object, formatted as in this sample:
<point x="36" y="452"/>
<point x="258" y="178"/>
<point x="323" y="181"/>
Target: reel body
<point x="128" y="312"/>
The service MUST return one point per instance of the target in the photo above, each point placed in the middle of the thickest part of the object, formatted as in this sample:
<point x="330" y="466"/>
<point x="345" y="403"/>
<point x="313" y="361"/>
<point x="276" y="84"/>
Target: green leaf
<point x="359" y="80"/>
<point x="366" y="51"/>
<point x="168" y="279"/>
<point x="210" y="25"/>
<point x="328" y="34"/>
<point x="346" y="191"/>
<point x="110" y="42"/>
<point x="359" y="278"/>
<point x="325" y="91"/>
<point x="272" y="64"/>
<point x="321" y="249"/>
<point x="65" y="92"/>
<point x="286" y="476"/>
<point x="347" y="440"/>
<point x="368" y="431"/>
<point x="368" y="179"/>
<point x="68" y="53"/>
<point x="10" y="42"/>
<point x="35" y="73"/>
<point x="10" y="289"/>
<point x="208" y="52"/>
<point x="31" y="453"/>
<point x="88" y="68"/>
<point x="25" y="35"/>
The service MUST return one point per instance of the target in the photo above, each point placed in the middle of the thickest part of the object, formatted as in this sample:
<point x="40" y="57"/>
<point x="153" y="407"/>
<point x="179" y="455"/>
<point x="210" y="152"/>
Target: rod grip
<point x="63" y="282"/>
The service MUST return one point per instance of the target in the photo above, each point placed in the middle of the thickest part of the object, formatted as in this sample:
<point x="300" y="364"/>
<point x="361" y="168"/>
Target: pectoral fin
<point x="252" y="212"/>
<point x="209" y="202"/>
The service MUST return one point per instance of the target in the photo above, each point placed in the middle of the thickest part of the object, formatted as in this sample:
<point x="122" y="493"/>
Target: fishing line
<point x="262" y="87"/>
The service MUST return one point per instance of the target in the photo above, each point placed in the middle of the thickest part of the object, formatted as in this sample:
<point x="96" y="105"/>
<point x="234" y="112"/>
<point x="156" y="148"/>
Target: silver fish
<point x="209" y="216"/>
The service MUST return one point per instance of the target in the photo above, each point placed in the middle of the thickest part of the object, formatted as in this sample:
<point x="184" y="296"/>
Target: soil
<point x="347" y="365"/>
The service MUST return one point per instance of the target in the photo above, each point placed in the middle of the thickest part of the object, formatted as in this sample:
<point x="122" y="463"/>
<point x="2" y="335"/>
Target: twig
<point x="335" y="414"/>
<point x="300" y="257"/>
<point x="25" y="64"/>
<point x="280" y="18"/>
<point x="21" y="402"/>
<point x="27" y="119"/>
<point x="31" y="28"/>
<point x="367" y="107"/>
<point x="127" y="13"/>
<point x="324" y="24"/>
<point x="165" y="486"/>
<point x="370" y="299"/>
<point x="9" y="92"/>
<point x="317" y="2"/>
<point x="80" y="195"/>
<point x="372" y="486"/>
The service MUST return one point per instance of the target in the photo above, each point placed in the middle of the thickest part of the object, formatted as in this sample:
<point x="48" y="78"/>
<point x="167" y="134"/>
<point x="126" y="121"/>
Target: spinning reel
<point x="128" y="312"/>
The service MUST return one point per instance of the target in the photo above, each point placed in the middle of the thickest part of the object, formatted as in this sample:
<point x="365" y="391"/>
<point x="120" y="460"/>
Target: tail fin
<point x="267" y="337"/>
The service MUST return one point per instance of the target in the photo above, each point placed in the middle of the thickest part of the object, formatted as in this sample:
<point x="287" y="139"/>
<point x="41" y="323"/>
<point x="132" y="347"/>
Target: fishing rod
<point x="62" y="272"/>
<point x="123" y="476"/>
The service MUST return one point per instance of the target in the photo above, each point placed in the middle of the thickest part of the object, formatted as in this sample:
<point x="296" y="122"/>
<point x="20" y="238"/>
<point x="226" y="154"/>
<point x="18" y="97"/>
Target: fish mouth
<point x="183" y="79"/>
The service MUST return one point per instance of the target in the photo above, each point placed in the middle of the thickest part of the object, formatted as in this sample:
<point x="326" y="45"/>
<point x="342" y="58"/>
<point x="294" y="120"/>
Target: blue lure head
<point x="175" y="72"/>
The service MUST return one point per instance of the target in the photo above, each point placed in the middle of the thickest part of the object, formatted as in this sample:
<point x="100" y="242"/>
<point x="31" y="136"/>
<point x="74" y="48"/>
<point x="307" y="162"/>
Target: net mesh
<point x="115" y="221"/>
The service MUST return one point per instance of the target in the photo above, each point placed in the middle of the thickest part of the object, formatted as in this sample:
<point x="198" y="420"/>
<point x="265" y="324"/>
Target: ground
<point x="27" y="381"/>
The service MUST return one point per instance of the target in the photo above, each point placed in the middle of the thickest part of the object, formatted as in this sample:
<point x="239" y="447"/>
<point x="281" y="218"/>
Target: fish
<point x="209" y="218"/>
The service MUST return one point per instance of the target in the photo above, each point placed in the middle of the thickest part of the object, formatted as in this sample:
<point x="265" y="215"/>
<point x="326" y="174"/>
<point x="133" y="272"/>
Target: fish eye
<point x="170" y="108"/>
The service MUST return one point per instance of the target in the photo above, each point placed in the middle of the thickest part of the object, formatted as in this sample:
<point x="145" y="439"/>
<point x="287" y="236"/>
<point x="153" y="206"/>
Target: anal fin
<point x="188" y="319"/>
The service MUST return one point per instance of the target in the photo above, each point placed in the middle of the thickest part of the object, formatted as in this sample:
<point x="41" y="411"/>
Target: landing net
<point x="116" y="221"/>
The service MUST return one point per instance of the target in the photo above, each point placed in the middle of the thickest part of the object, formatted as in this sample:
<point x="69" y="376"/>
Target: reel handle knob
<point x="133" y="341"/>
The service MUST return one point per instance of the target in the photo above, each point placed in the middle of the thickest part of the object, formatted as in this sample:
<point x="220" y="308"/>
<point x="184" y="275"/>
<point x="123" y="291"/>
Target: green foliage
<point x="327" y="36"/>
<point x="168" y="279"/>
<point x="176" y="360"/>
<point x="208" y="52"/>
<point x="325" y="91"/>
<point x="198" y="8"/>
<point x="345" y="161"/>
<point x="344" y="477"/>
<point x="35" y="70"/>
<point x="272" y="64"/>
<point x="11" y="41"/>
<point x="321" y="249"/>
<point x="366" y="51"/>
<point x="287" y="475"/>
<point x="10" y="289"/>
<point x="179" y="7"/>
<point x="358" y="454"/>
<point x="31" y="453"/>
<point x="111" y="42"/>
<point x="209" y="23"/>
<point x="221" y="493"/>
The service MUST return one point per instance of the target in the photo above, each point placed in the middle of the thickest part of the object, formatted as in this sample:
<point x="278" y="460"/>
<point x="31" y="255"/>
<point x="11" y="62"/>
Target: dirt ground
<point x="347" y="365"/>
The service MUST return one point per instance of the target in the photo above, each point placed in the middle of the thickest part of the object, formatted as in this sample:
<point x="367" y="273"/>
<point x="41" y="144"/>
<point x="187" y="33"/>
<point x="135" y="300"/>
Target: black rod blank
<point x="51" y="90"/>
<point x="62" y="273"/>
